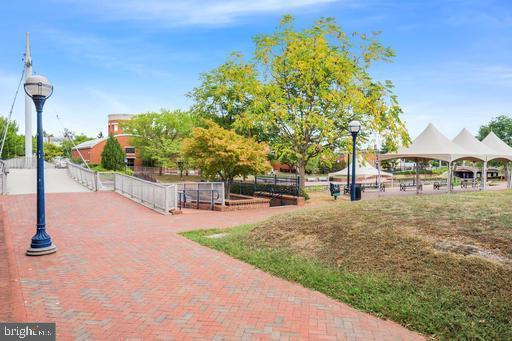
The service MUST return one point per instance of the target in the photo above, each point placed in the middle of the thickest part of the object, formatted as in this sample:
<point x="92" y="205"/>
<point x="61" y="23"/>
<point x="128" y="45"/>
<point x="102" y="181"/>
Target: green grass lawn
<point x="440" y="265"/>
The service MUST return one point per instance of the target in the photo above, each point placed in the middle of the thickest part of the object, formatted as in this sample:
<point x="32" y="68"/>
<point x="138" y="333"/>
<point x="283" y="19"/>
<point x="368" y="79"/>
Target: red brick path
<point x="122" y="272"/>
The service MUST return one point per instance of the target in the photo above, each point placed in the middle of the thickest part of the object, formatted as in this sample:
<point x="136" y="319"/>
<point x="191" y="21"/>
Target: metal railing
<point x="202" y="192"/>
<point x="4" y="170"/>
<point x="21" y="162"/>
<point x="161" y="198"/>
<point x="83" y="176"/>
<point x="105" y="181"/>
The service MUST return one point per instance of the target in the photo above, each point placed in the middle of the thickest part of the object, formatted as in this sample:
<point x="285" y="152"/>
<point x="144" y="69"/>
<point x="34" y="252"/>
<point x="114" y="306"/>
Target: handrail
<point x="21" y="162"/>
<point x="198" y="187"/>
<point x="4" y="170"/>
<point x="83" y="176"/>
<point x="161" y="198"/>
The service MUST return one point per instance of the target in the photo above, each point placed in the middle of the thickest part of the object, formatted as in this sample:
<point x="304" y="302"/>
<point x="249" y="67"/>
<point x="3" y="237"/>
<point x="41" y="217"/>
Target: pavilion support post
<point x="484" y="176"/>
<point x="378" y="174"/>
<point x="449" y="177"/>
<point x="508" y="175"/>
<point x="417" y="177"/>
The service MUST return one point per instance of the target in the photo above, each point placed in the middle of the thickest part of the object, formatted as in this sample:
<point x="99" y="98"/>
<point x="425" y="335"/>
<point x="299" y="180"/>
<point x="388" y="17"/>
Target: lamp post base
<point x="41" y="251"/>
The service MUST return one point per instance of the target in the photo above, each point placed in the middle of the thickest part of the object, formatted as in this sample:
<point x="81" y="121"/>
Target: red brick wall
<point x="93" y="155"/>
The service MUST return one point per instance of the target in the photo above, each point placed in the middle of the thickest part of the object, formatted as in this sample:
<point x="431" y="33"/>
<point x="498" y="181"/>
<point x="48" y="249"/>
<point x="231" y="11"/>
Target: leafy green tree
<point x="14" y="144"/>
<point x="157" y="136"/>
<point x="112" y="156"/>
<point x="501" y="126"/>
<point x="304" y="88"/>
<point x="389" y="146"/>
<point x="225" y="92"/>
<point x="222" y="153"/>
<point x="51" y="151"/>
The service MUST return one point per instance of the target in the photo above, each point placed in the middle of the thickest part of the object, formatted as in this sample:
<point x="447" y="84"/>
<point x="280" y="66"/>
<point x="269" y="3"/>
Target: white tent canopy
<point x="363" y="170"/>
<point x="431" y="144"/>
<point x="477" y="149"/>
<point x="501" y="148"/>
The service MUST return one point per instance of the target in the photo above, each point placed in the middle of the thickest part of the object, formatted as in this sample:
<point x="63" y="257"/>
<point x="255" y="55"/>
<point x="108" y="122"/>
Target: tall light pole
<point x="353" y="127"/>
<point x="40" y="89"/>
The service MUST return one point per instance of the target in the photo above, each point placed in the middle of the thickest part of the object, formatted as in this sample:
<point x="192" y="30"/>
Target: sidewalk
<point x="122" y="272"/>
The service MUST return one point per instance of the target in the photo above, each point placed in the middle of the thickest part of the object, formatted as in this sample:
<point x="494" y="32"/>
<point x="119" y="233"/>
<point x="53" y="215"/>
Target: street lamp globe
<point x="38" y="85"/>
<point x="354" y="127"/>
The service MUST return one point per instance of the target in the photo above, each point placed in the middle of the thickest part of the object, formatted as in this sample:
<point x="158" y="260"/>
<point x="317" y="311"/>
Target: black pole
<point x="41" y="242"/>
<point x="353" y="188"/>
<point x="348" y="171"/>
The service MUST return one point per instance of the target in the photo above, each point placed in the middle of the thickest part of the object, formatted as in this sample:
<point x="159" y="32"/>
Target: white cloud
<point x="196" y="12"/>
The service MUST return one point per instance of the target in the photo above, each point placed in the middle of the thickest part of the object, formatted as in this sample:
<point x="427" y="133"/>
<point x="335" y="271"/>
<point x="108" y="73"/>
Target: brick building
<point x="91" y="150"/>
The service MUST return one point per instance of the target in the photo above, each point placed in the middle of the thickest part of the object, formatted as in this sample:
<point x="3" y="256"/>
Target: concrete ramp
<point x="23" y="181"/>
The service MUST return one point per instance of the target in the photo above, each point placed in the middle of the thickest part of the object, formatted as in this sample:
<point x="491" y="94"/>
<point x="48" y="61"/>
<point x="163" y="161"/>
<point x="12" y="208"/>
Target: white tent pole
<point x="507" y="174"/>
<point x="484" y="176"/>
<point x="417" y="177"/>
<point x="378" y="174"/>
<point x="449" y="177"/>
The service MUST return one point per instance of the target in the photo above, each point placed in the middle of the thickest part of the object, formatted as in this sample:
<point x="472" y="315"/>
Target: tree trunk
<point x="302" y="175"/>
<point x="227" y="188"/>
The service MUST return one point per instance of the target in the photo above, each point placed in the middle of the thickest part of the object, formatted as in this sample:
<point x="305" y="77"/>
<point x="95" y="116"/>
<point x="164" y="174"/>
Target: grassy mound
<point x="440" y="264"/>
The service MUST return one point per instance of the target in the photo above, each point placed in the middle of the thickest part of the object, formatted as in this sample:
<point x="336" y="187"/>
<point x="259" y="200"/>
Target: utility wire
<point x="12" y="108"/>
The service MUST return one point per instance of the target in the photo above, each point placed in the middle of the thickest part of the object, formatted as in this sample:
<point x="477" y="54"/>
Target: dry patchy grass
<point x="439" y="264"/>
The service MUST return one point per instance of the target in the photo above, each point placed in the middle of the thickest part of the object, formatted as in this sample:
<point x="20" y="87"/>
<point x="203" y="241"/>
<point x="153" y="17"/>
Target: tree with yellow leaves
<point x="221" y="153"/>
<point x="302" y="89"/>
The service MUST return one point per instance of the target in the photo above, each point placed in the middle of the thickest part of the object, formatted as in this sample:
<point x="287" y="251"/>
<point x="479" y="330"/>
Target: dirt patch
<point x="471" y="250"/>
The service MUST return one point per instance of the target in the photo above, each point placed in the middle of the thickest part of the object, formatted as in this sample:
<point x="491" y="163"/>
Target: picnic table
<point x="409" y="184"/>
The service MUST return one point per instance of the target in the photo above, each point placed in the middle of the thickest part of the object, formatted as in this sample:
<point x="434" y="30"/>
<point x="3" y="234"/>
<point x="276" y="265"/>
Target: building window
<point x="129" y="150"/>
<point x="130" y="162"/>
<point x="115" y="127"/>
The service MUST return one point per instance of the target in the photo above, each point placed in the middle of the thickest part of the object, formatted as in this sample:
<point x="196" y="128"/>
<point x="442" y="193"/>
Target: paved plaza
<point x="123" y="272"/>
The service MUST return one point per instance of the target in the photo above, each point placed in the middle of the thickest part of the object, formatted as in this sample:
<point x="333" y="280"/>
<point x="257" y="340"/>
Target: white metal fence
<point x="105" y="181"/>
<point x="21" y="162"/>
<point x="83" y="176"/>
<point x="161" y="198"/>
<point x="3" y="177"/>
<point x="202" y="192"/>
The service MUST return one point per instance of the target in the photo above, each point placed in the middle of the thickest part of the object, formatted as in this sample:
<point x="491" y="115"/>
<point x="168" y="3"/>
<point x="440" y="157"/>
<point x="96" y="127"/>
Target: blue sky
<point x="453" y="65"/>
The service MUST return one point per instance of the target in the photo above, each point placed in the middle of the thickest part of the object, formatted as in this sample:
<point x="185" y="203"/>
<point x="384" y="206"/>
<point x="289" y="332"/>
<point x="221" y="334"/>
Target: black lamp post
<point x="353" y="127"/>
<point x="40" y="89"/>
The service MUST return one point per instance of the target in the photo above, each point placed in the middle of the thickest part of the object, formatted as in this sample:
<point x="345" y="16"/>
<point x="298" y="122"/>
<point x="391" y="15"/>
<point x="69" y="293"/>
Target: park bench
<point x="381" y="188"/>
<point x="439" y="184"/>
<point x="466" y="183"/>
<point x="405" y="185"/>
<point x="346" y="189"/>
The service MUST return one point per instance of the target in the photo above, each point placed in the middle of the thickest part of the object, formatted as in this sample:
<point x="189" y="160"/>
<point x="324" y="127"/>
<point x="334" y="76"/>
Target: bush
<point x="112" y="157"/>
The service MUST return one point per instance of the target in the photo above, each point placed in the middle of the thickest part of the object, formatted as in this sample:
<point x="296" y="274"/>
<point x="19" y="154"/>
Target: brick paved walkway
<point x="122" y="272"/>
